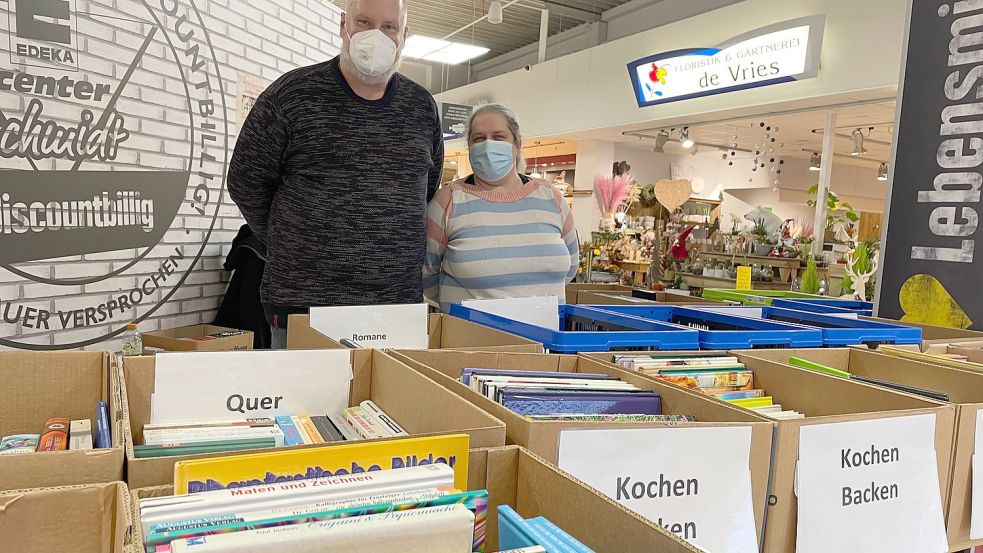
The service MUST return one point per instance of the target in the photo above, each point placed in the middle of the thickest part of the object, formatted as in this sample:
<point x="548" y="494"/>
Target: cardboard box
<point x="40" y="385"/>
<point x="542" y="437"/>
<point x="972" y="350"/>
<point x="626" y="298"/>
<point x="418" y="404"/>
<point x="172" y="339"/>
<point x="90" y="518"/>
<point x="515" y="477"/>
<point x="574" y="288"/>
<point x="828" y="399"/>
<point x="965" y="389"/>
<point x="934" y="335"/>
<point x="445" y="332"/>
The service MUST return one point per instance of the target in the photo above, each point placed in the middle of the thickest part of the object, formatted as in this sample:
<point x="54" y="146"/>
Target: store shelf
<point x="700" y="281"/>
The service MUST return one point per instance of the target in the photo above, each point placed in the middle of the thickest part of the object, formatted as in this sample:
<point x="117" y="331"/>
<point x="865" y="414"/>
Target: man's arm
<point x="438" y="156"/>
<point x="256" y="169"/>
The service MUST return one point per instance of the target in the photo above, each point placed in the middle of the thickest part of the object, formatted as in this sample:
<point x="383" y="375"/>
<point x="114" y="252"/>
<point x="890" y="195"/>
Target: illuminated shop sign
<point x="780" y="53"/>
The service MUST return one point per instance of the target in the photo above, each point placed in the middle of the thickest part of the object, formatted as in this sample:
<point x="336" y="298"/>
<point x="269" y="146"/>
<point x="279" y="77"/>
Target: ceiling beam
<point x="563" y="10"/>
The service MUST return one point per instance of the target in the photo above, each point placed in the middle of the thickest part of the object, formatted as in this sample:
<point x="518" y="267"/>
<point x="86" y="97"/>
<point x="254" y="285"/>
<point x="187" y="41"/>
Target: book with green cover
<point x="218" y="446"/>
<point x="813" y="366"/>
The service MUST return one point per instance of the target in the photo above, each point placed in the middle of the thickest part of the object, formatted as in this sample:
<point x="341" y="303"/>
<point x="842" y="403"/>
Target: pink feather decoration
<point x="611" y="191"/>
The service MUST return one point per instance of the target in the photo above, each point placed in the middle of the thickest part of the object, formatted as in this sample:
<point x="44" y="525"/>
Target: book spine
<point x="54" y="437"/>
<point x="299" y="425"/>
<point x="373" y="411"/>
<point x="341" y="424"/>
<point x="362" y="425"/>
<point x="290" y="434"/>
<point x="195" y="435"/>
<point x="103" y="437"/>
<point x="311" y="429"/>
<point x="255" y="423"/>
<point x="80" y="435"/>
<point x="326" y="429"/>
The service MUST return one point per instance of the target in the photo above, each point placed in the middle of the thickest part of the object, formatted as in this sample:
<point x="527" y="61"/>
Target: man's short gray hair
<point x="510" y="119"/>
<point x="352" y="5"/>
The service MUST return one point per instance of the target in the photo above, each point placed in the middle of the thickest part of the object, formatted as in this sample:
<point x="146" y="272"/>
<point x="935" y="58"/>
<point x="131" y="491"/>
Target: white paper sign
<point x="976" y="526"/>
<point x="869" y="485"/>
<point x="197" y="386"/>
<point x="752" y="312"/>
<point x="694" y="482"/>
<point x="375" y="326"/>
<point x="539" y="310"/>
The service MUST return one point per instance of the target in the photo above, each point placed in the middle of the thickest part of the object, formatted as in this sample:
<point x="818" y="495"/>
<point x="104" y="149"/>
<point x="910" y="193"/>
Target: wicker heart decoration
<point x="672" y="193"/>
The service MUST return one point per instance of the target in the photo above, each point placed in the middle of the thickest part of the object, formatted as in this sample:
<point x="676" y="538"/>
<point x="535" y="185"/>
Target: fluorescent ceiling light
<point x="441" y="51"/>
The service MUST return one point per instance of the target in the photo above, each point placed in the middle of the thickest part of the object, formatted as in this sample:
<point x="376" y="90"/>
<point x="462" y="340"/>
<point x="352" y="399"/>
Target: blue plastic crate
<point x="831" y="305"/>
<point x="591" y="330"/>
<point x="725" y="331"/>
<point x="837" y="330"/>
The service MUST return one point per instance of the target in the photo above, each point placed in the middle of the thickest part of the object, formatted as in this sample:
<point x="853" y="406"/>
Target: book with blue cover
<point x="514" y="532"/>
<point x="467" y="373"/>
<point x="550" y="402"/>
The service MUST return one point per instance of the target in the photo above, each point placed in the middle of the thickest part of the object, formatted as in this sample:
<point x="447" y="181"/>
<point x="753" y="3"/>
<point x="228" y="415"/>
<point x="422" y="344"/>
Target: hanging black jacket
<point x="241" y="307"/>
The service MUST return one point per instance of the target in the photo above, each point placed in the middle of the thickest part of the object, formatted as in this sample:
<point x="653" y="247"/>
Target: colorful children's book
<point x="19" y="443"/>
<point x="195" y="475"/>
<point x="194" y="448"/>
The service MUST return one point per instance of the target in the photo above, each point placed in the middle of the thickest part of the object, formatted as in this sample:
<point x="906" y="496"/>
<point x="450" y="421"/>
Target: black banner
<point x="932" y="270"/>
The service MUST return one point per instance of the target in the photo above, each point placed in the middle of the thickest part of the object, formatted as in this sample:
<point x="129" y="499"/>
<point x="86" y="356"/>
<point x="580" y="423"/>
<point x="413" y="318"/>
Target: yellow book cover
<point x="312" y="430"/>
<point x="753" y="402"/>
<point x="274" y="467"/>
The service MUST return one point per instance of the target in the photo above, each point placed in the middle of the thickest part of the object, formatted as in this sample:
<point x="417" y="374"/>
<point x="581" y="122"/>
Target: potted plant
<point x="810" y="278"/>
<point x="761" y="237"/>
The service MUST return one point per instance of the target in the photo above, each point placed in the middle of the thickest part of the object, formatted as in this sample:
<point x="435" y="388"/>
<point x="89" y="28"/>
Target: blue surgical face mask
<point x="491" y="160"/>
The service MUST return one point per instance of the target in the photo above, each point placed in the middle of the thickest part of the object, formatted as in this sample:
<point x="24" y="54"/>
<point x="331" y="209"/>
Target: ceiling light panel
<point x="441" y="51"/>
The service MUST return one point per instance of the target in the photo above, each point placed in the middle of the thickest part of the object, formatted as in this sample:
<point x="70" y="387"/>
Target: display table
<point x="638" y="269"/>
<point x="788" y="267"/>
<point x="700" y="281"/>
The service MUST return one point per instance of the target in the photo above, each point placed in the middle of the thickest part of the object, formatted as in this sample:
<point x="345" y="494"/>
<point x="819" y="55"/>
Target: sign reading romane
<point x="113" y="128"/>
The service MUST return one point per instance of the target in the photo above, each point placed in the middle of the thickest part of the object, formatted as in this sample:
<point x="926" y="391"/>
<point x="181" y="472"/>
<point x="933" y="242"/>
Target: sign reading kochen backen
<point x="932" y="271"/>
<point x="69" y="116"/>
<point x="779" y="53"/>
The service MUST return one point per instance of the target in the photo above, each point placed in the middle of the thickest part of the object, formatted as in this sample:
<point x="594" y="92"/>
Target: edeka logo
<point x="44" y="33"/>
<point x="87" y="139"/>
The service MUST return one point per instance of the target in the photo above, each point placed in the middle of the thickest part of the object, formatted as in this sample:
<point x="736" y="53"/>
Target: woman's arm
<point x="438" y="213"/>
<point x="568" y="232"/>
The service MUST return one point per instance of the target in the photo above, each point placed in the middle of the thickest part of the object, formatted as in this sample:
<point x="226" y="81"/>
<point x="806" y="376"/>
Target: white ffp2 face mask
<point x="372" y="51"/>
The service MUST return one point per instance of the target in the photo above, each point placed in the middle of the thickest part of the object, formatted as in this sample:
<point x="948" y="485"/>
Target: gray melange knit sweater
<point x="337" y="186"/>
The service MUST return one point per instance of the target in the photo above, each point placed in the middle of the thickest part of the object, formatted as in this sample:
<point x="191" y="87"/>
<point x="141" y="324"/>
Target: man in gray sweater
<point x="333" y="170"/>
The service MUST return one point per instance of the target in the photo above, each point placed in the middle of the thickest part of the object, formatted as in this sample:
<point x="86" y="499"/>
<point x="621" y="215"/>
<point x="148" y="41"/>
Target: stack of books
<point x="568" y="396"/>
<point x="62" y="434"/>
<point x="362" y="422"/>
<point x="722" y="376"/>
<point x="529" y="534"/>
<point x="412" y="509"/>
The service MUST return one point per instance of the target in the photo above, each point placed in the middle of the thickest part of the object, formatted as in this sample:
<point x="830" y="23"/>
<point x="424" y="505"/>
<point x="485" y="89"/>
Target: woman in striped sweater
<point x="498" y="233"/>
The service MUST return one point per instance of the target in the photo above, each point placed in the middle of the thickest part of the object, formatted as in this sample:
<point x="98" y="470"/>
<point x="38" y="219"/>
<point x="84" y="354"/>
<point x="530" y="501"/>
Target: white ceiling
<point x="795" y="135"/>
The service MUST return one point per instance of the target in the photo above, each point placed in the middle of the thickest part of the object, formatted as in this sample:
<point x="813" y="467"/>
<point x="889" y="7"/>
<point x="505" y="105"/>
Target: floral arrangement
<point x="611" y="191"/>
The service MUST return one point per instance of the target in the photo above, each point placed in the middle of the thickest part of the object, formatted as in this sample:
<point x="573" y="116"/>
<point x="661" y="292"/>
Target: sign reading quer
<point x="869" y="485"/>
<point x="694" y="482"/>
<point x="779" y="53"/>
<point x="375" y="326"/>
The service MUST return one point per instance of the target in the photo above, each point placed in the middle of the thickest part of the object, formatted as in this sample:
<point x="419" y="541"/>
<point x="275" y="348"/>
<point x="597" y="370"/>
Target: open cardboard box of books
<point x="625" y="298"/>
<point x="825" y="400"/>
<point x="416" y="403"/>
<point x="936" y="335"/>
<point x="89" y="518"/>
<point x="200" y="337"/>
<point x="574" y="288"/>
<point x="445" y="332"/>
<point x="965" y="390"/>
<point x="543" y="437"/>
<point x="971" y="350"/>
<point x="515" y="477"/>
<point x="38" y="386"/>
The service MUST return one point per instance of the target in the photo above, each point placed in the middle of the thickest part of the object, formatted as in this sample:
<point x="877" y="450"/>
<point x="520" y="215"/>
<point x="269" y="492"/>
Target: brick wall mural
<point x="117" y="120"/>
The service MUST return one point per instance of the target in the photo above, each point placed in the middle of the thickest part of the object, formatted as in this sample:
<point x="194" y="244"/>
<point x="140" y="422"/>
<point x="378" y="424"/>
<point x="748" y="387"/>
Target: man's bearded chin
<point x="352" y="69"/>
